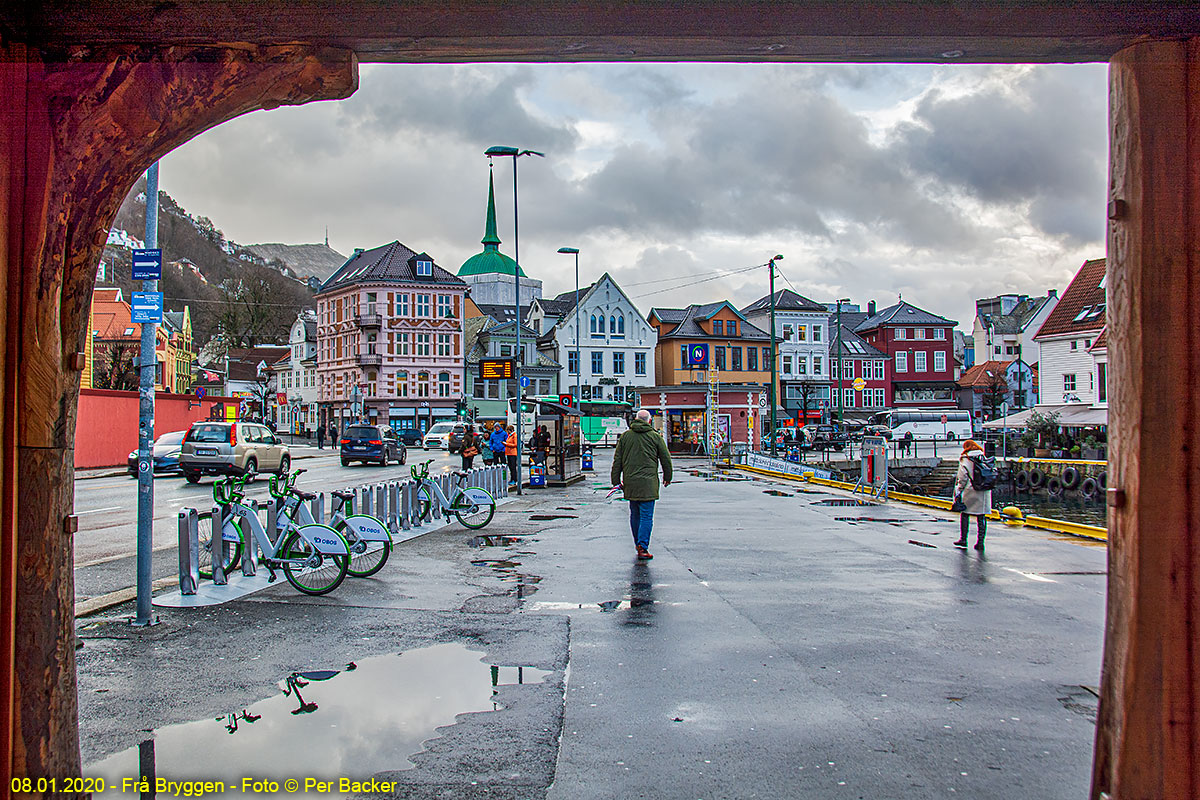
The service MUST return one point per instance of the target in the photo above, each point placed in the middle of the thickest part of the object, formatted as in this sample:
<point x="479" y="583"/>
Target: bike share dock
<point x="402" y="506"/>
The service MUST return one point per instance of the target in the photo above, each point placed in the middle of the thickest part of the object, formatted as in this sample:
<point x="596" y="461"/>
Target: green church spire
<point x="490" y="240"/>
<point x="491" y="260"/>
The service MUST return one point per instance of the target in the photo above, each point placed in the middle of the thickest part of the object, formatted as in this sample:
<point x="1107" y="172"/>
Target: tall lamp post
<point x="840" y="353"/>
<point x="578" y="363"/>
<point x="515" y="153"/>
<point x="770" y="265"/>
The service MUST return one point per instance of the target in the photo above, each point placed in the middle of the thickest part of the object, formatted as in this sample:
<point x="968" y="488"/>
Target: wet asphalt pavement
<point x="776" y="646"/>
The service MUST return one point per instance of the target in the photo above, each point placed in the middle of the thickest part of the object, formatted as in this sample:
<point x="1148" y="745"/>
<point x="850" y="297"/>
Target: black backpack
<point x="983" y="473"/>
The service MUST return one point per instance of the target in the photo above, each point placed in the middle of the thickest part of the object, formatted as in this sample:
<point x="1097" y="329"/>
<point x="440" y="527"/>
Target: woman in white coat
<point x="977" y="502"/>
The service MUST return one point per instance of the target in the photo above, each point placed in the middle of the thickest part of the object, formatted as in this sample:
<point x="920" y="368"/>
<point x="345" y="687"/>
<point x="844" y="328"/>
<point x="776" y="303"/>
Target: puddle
<point x="494" y="541"/>
<point x="544" y="517"/>
<point x="566" y="508"/>
<point x="839" y="501"/>
<point x="324" y="725"/>
<point x="776" y="493"/>
<point x="496" y="563"/>
<point x="873" y="519"/>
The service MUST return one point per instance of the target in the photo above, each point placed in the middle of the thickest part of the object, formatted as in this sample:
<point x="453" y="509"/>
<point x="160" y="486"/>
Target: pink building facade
<point x="390" y="341"/>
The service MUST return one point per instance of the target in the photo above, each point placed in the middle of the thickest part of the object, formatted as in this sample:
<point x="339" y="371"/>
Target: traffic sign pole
<point x="143" y="260"/>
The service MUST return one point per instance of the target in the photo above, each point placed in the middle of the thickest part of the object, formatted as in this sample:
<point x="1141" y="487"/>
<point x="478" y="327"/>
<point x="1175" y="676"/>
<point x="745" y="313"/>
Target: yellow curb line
<point x="1093" y="532"/>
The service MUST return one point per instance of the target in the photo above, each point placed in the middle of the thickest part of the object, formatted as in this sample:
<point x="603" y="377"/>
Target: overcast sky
<point x="940" y="183"/>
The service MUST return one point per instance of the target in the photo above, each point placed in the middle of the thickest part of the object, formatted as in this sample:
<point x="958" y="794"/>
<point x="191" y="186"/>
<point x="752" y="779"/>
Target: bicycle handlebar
<point x="281" y="486"/>
<point x="229" y="490"/>
<point x="421" y="471"/>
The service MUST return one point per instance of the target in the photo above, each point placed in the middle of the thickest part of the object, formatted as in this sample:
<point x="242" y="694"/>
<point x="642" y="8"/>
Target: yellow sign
<point x="859" y="384"/>
<point x="496" y="369"/>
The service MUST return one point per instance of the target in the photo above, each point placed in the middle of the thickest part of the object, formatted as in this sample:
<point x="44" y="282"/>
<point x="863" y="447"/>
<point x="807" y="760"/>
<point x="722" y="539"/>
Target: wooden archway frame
<point x="89" y="124"/>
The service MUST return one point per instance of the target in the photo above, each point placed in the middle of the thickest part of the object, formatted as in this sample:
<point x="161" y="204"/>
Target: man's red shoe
<point x="644" y="554"/>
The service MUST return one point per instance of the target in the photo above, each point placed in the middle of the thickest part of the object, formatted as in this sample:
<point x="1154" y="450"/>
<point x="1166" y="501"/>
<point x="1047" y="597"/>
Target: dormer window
<point x="718" y="327"/>
<point x="424" y="269"/>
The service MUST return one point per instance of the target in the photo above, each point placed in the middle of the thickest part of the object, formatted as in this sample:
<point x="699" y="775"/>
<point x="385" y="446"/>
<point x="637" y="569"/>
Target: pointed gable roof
<point x="901" y="314"/>
<point x="785" y="300"/>
<point x="1082" y="306"/>
<point x="688" y="325"/>
<point x="389" y="263"/>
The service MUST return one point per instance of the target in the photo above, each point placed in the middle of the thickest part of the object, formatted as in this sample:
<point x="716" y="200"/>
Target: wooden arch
<point x="92" y="92"/>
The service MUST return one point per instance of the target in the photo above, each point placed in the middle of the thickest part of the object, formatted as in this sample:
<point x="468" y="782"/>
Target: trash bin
<point x="586" y="457"/>
<point x="989" y="449"/>
<point x="537" y="476"/>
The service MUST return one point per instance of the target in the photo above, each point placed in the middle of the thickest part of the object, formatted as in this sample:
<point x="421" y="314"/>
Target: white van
<point x="438" y="436"/>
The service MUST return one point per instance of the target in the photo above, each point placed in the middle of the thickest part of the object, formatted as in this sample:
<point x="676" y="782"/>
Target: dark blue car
<point x="371" y="443"/>
<point x="165" y="454"/>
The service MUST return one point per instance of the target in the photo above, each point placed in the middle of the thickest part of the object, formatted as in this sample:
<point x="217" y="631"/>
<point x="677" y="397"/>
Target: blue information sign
<point x="524" y="382"/>
<point x="147" y="265"/>
<point x="697" y="356"/>
<point x="147" y="306"/>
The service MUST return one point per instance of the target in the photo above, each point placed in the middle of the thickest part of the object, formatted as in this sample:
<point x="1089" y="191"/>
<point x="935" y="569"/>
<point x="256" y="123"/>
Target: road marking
<point x="1032" y="576"/>
<point x="98" y="510"/>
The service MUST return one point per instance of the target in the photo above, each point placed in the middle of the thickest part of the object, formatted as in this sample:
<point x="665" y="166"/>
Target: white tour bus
<point x="926" y="423"/>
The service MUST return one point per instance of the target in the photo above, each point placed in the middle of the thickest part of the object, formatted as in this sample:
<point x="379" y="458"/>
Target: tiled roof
<point x="389" y="263"/>
<point x="853" y="345"/>
<point x="501" y="312"/>
<point x="850" y="319"/>
<point x="243" y="362"/>
<point x="983" y="374"/>
<point x="1101" y="342"/>
<point x="1016" y="320"/>
<point x="901" y="314"/>
<point x="1082" y="306"/>
<point x="675" y="315"/>
<point x="785" y="300"/>
<point x="112" y="318"/>
<point x="689" y="326"/>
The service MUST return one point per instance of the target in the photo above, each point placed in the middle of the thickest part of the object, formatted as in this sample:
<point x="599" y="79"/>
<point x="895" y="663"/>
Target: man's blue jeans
<point x="641" y="518"/>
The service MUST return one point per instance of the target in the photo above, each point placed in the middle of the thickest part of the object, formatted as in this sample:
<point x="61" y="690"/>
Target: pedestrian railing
<point x="394" y="502"/>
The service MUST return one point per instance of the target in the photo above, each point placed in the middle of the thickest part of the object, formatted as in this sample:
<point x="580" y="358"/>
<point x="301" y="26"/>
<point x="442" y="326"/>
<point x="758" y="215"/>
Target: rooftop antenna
<point x="327" y="236"/>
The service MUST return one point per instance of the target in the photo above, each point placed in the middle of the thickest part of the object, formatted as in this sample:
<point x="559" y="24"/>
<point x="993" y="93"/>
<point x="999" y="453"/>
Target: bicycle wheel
<point x="370" y="561"/>
<point x="424" y="502"/>
<point x="311" y="572"/>
<point x="473" y="513"/>
<point x="233" y="550"/>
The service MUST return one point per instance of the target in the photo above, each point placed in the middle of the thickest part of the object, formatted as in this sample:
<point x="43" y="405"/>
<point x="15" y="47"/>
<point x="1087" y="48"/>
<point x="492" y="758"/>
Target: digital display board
<point x="496" y="369"/>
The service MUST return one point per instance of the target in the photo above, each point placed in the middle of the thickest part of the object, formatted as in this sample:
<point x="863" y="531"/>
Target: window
<point x="848" y="369"/>
<point x="801" y="365"/>
<point x="766" y="364"/>
<point x="639" y="363"/>
<point x="1087" y="343"/>
<point x="424" y="269"/>
<point x="919" y="360"/>
<point x="735" y="354"/>
<point x="1069" y="383"/>
<point x="818" y="365"/>
<point x="801" y="333"/>
<point x="879" y="370"/>
<point x="787" y="333"/>
<point x="423" y="344"/>
<point x="939" y="361"/>
<point x="401" y="384"/>
<point x="919" y="333"/>
<point x="720" y="358"/>
<point x="900" y="333"/>
<point x="506" y="350"/>
<point x="619" y="393"/>
<point x="880" y="399"/>
<point x="593" y="325"/>
<point x="479" y="389"/>
<point x="939" y="333"/>
<point x="422" y="305"/>
<point x="444" y="344"/>
<point x="443" y="384"/>
<point x="787" y="365"/>
<point x="618" y="363"/>
<point x="718" y="328"/>
<point x="619" y="328"/>
<point x="445" y="306"/>
<point x="597" y="362"/>
<point x="402" y="344"/>
<point x="573" y="362"/>
<point x="422" y="384"/>
<point x="847" y="398"/>
<point x="1074" y="345"/>
<point x="1102" y="382"/>
<point x="752" y="359"/>
<point x="600" y="322"/>
<point x="543" y="386"/>
<point x="816" y="334"/>
<point x="402" y="304"/>
<point x="901" y="362"/>
<point x="731" y="327"/>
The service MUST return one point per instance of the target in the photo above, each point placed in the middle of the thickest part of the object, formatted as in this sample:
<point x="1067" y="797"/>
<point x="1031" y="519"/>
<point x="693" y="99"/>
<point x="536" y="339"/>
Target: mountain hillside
<point x="302" y="260"/>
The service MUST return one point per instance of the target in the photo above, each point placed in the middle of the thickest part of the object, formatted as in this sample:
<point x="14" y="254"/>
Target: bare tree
<point x="115" y="366"/>
<point x="994" y="390"/>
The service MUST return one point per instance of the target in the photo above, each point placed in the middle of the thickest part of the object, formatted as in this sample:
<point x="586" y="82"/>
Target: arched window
<point x="612" y="324"/>
<point x="593" y="323"/>
<point x="621" y="324"/>
<point x="601" y="322"/>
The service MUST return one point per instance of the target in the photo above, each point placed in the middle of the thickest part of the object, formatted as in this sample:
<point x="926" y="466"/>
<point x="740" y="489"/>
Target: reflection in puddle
<point x="838" y="501"/>
<point x="496" y="563"/>
<point x="326" y="724"/>
<point x="776" y="493"/>
<point x="494" y="541"/>
<point x="545" y="517"/>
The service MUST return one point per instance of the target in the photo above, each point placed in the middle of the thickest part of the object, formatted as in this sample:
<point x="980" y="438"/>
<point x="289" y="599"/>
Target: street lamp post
<point x="841" y="354"/>
<point x="515" y="153"/>
<point x="578" y="363"/>
<point x="774" y="355"/>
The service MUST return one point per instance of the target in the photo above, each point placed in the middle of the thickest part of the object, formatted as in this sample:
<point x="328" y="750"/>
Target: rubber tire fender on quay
<point x="1037" y="478"/>
<point x="1070" y="478"/>
<point x="1021" y="479"/>
<point x="1089" y="488"/>
<point x="1054" y="486"/>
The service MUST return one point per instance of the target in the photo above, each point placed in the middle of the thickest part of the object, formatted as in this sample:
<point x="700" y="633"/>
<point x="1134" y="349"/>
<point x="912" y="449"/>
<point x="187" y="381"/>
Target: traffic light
<point x="462" y="408"/>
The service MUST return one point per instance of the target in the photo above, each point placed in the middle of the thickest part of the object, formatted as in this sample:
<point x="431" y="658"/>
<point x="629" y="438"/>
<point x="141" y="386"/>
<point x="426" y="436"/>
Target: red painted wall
<point x="107" y="429"/>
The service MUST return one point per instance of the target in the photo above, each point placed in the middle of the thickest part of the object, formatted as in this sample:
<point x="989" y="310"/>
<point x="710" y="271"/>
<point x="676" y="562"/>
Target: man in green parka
<point x="635" y="469"/>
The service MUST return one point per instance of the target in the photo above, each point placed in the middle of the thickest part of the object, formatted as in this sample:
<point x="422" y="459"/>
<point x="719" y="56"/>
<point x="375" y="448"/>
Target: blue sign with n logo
<point x="697" y="356"/>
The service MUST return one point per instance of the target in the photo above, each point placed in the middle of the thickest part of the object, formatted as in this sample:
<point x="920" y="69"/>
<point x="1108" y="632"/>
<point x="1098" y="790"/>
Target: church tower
<point x="490" y="274"/>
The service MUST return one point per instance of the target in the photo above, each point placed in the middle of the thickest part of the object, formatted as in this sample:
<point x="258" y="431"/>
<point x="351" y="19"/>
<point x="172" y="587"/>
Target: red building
<point x="920" y="349"/>
<point x="681" y="413"/>
<point x="866" y="382"/>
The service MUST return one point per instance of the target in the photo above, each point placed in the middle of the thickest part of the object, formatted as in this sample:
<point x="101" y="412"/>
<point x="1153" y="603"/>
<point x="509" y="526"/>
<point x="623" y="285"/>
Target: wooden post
<point x="1148" y="732"/>
<point x="76" y="137"/>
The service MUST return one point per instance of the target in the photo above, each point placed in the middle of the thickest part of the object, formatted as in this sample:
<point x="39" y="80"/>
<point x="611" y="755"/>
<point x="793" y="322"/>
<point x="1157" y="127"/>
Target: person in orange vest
<point x="510" y="453"/>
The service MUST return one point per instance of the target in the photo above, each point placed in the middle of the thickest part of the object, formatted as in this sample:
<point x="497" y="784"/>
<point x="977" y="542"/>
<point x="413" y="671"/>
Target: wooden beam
<point x="84" y="133"/>
<point x="603" y="30"/>
<point x="1148" y="732"/>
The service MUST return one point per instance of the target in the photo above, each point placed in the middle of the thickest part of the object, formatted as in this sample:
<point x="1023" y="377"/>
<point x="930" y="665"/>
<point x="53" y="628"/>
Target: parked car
<point x="454" y="441"/>
<point x="376" y="443"/>
<point x="232" y="448"/>
<point x="824" y="437"/>
<point x="410" y="437"/>
<point x="438" y="436"/>
<point x="165" y="453"/>
<point x="878" y="430"/>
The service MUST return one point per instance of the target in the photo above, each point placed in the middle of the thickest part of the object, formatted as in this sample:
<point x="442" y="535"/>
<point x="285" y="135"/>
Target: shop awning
<point x="1070" y="415"/>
